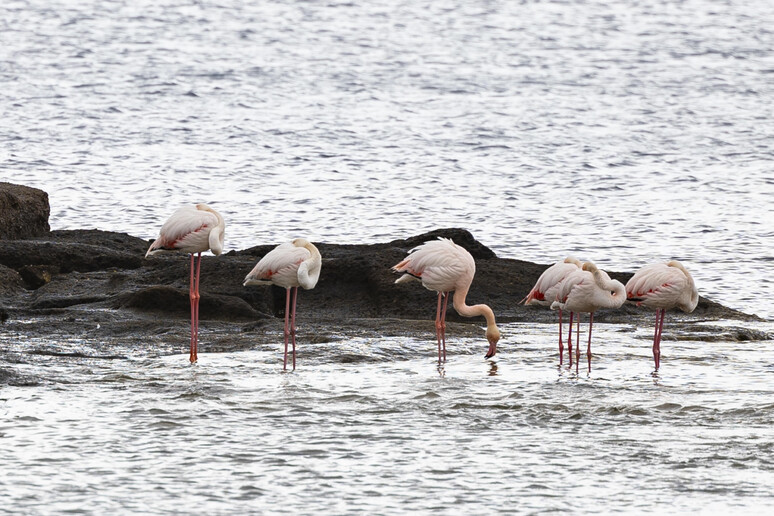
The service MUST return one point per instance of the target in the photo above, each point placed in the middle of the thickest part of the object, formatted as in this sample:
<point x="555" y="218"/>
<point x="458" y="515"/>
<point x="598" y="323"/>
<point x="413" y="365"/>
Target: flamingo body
<point x="289" y="265"/>
<point x="443" y="266"/>
<point x="192" y="229"/>
<point x="663" y="286"/>
<point x="292" y="264"/>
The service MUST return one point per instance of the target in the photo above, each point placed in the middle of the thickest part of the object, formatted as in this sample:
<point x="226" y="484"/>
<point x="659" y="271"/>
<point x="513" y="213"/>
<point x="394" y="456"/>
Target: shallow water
<point x="393" y="432"/>
<point x="619" y="132"/>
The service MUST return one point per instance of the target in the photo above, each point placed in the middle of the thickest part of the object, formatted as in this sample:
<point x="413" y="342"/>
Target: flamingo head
<point x="492" y="335"/>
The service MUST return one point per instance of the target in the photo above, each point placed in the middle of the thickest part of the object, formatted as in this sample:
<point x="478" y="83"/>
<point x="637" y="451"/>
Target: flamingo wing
<point x="187" y="229"/>
<point x="439" y="264"/>
<point x="279" y="266"/>
<point x="548" y="281"/>
<point x="657" y="285"/>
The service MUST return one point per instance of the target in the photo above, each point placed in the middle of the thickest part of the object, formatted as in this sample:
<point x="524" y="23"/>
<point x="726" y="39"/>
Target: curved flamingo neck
<point x="474" y="310"/>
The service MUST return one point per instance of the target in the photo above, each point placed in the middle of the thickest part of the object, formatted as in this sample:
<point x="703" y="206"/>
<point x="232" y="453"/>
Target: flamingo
<point x="443" y="266"/>
<point x="545" y="290"/>
<point x="288" y="265"/>
<point x="587" y="290"/>
<point x="192" y="229"/>
<point x="662" y="286"/>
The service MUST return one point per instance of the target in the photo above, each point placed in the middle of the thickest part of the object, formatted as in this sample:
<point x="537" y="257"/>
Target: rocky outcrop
<point x="81" y="270"/>
<point x="23" y="212"/>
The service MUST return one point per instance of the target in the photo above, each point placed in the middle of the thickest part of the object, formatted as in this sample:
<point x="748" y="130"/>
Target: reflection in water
<point x="493" y="368"/>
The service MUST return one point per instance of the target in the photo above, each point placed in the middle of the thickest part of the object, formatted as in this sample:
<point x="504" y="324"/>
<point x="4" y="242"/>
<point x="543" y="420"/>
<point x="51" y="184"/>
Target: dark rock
<point x="35" y="276"/>
<point x="11" y="282"/>
<point x="24" y="212"/>
<point x="176" y="302"/>
<point x="66" y="256"/>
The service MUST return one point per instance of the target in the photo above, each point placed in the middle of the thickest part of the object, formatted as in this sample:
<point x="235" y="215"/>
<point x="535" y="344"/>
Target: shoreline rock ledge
<point x="60" y="274"/>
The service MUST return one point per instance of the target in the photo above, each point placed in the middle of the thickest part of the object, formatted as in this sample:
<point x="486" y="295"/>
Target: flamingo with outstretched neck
<point x="545" y="289"/>
<point x="587" y="290"/>
<point x="663" y="286"/>
<point x="445" y="267"/>
<point x="289" y="265"/>
<point x="192" y="229"/>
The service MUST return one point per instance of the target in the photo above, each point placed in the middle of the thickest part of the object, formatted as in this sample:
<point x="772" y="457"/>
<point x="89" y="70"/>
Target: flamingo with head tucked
<point x="663" y="286"/>
<point x="444" y="266"/>
<point x="194" y="230"/>
<point x="587" y="290"/>
<point x="289" y="265"/>
<point x="545" y="289"/>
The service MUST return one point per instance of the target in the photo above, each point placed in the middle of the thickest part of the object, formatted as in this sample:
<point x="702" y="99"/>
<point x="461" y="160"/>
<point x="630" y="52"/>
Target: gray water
<point x="622" y="132"/>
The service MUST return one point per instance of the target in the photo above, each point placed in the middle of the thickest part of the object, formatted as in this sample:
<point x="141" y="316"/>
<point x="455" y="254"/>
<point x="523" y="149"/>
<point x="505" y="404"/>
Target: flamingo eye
<point x="612" y="292"/>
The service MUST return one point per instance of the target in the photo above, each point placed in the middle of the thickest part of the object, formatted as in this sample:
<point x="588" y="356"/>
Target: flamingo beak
<point x="492" y="350"/>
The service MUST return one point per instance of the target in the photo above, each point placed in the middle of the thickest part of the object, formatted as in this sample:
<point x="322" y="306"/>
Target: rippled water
<point x="390" y="432"/>
<point x="623" y="132"/>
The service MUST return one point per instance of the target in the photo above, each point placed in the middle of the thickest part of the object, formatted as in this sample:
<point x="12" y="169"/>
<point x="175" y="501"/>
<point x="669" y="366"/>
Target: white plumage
<point x="191" y="229"/>
<point x="292" y="264"/>
<point x="663" y="285"/>
<point x="441" y="265"/>
<point x="547" y="285"/>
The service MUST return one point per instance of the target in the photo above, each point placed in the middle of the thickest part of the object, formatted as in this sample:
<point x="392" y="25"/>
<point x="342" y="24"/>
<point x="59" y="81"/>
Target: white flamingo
<point x="443" y="266"/>
<point x="587" y="290"/>
<point x="662" y="286"/>
<point x="192" y="229"/>
<point x="289" y="265"/>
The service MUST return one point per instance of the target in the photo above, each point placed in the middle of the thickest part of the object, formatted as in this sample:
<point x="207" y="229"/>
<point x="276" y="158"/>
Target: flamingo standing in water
<point x="444" y="266"/>
<point x="289" y="265"/>
<point x="587" y="290"/>
<point x="663" y="286"/>
<point x="545" y="291"/>
<point x="192" y="230"/>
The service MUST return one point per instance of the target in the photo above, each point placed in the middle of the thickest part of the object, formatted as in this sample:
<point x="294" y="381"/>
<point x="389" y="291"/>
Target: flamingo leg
<point x="588" y="350"/>
<point x="438" y="325"/>
<point x="196" y="308"/>
<point x="293" y="325"/>
<point x="561" y="347"/>
<point x="287" y="331"/>
<point x="569" y="339"/>
<point x="193" y="312"/>
<point x="577" y="343"/>
<point x="657" y="338"/>
<point x="443" y="323"/>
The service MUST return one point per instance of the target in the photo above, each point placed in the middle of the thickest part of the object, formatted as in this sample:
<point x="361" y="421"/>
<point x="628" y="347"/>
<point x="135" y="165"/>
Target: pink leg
<point x="657" y="341"/>
<point x="588" y="351"/>
<point x="193" y="310"/>
<point x="443" y="323"/>
<point x="569" y="339"/>
<point x="287" y="330"/>
<point x="577" y="344"/>
<point x="561" y="346"/>
<point x="293" y="325"/>
<point x="438" y="325"/>
<point x="197" y="296"/>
